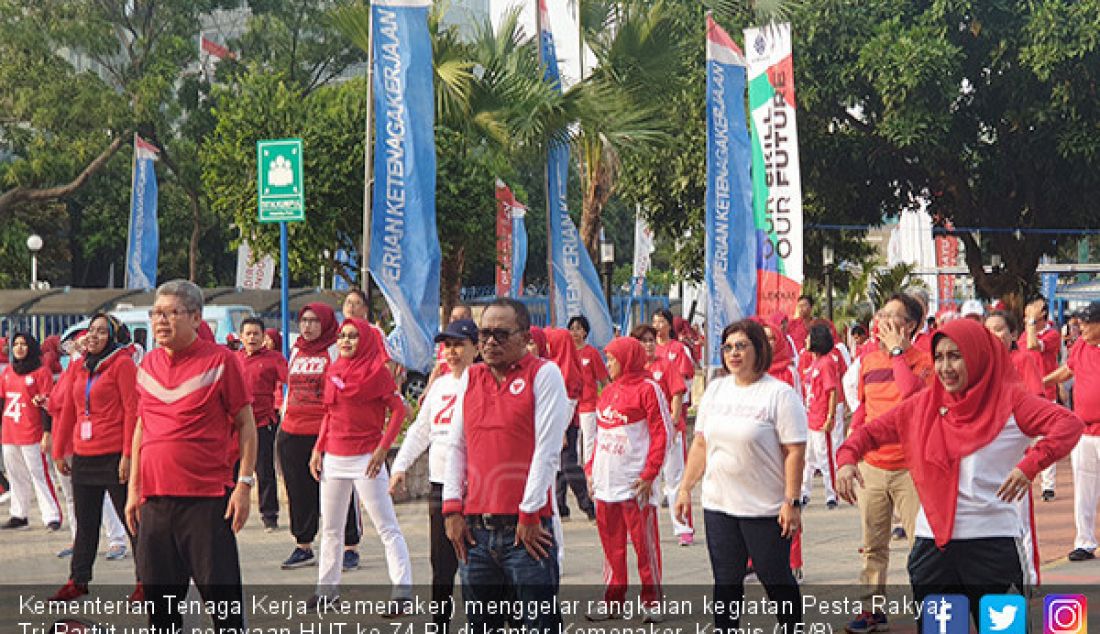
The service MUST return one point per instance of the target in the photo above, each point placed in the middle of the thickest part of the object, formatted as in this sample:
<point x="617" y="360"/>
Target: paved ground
<point x="831" y="544"/>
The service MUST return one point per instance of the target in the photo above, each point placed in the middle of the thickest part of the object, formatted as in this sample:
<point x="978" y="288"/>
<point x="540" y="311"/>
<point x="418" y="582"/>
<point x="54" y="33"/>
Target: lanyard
<point x="88" y="395"/>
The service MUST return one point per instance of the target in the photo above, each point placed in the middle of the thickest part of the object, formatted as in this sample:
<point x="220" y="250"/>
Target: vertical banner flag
<point x="776" y="178"/>
<point x="519" y="250"/>
<point x="255" y="274"/>
<point x="505" y="269"/>
<point x="947" y="254"/>
<point x="1049" y="281"/>
<point x="731" y="233"/>
<point x="643" y="248"/>
<point x="404" y="250"/>
<point x="210" y="53"/>
<point x="143" y="243"/>
<point x="577" y="289"/>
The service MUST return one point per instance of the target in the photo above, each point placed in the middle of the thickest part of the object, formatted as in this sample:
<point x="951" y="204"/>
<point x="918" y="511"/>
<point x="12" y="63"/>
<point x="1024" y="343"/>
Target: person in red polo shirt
<point x="1083" y="366"/>
<point x="265" y="371"/>
<point x="595" y="377"/>
<point x="505" y="444"/>
<point x="182" y="502"/>
<point x="1041" y="336"/>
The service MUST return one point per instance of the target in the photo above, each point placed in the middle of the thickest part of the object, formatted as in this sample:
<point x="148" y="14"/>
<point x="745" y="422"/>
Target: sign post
<point x="282" y="199"/>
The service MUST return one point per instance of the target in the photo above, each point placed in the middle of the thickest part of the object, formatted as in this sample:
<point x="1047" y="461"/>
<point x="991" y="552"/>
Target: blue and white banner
<point x="730" y="229"/>
<point x="404" y="253"/>
<point x="576" y="288"/>
<point x="519" y="251"/>
<point x="143" y="243"/>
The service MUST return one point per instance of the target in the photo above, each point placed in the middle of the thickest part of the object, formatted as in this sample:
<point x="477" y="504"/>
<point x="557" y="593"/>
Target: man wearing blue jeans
<point x="504" y="448"/>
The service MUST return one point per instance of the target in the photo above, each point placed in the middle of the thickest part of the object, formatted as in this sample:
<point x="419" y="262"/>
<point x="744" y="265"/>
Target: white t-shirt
<point x="431" y="428"/>
<point x="744" y="428"/>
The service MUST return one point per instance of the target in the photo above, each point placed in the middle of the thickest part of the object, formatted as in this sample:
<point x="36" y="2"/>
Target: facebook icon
<point x="945" y="614"/>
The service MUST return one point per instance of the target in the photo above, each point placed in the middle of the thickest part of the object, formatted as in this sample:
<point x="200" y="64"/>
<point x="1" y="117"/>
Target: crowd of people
<point x="936" y="426"/>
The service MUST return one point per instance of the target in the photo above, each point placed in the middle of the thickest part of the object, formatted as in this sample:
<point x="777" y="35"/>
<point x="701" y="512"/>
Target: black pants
<point x="92" y="477"/>
<point x="304" y="493"/>
<point x="731" y="541"/>
<point x="189" y="538"/>
<point x="973" y="567"/>
<point x="265" y="472"/>
<point x="572" y="476"/>
<point x="444" y="560"/>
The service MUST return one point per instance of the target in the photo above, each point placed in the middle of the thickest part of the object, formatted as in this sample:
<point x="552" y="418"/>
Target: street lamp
<point x="827" y="258"/>
<point x="607" y="260"/>
<point x="34" y="243"/>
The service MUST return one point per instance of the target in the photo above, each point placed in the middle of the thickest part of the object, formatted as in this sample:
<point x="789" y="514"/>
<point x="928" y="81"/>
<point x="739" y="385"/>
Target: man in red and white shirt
<point x="1041" y="336"/>
<point x="195" y="418"/>
<point x="1083" y="366"/>
<point x="505" y="445"/>
<point x="264" y="372"/>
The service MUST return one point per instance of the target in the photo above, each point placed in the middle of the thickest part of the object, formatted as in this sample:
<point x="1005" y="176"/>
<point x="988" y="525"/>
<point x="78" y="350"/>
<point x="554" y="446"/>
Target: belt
<point x="492" y="522"/>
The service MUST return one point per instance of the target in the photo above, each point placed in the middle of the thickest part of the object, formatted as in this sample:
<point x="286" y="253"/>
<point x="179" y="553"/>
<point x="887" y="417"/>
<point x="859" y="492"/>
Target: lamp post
<point x="607" y="262"/>
<point x="34" y="244"/>
<point x="827" y="258"/>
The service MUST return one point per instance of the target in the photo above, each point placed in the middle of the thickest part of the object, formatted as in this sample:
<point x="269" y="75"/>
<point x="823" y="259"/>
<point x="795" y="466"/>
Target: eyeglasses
<point x="348" y="335"/>
<point x="156" y="314"/>
<point x="740" y="346"/>
<point x="500" y="335"/>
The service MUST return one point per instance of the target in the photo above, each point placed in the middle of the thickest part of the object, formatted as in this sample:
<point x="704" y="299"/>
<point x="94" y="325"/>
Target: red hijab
<point x="328" y="329"/>
<point x="276" y="338"/>
<point x="563" y="352"/>
<point x="944" y="428"/>
<point x="782" y="355"/>
<point x="631" y="356"/>
<point x="51" y="353"/>
<point x="538" y="335"/>
<point x="364" y="375"/>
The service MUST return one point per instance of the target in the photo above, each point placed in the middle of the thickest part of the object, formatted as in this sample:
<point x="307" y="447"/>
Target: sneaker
<point x="1080" y="554"/>
<point x="351" y="560"/>
<point x="652" y="614"/>
<point x="319" y="603"/>
<point x="1048" y="495"/>
<point x="799" y="576"/>
<point x="687" y="539"/>
<point x="65" y="552"/>
<point x="53" y="526"/>
<point x="300" y="558"/>
<point x="138" y="595"/>
<point x="868" y="622"/>
<point x="15" y="524"/>
<point x="115" y="552"/>
<point x="830" y="504"/>
<point x="898" y="533"/>
<point x="71" y="590"/>
<point x="5" y="497"/>
<point x="271" y="525"/>
<point x="398" y="607"/>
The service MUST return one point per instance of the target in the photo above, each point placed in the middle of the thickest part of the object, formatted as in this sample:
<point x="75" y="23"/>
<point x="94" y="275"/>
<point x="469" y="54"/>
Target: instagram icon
<point x="1065" y="614"/>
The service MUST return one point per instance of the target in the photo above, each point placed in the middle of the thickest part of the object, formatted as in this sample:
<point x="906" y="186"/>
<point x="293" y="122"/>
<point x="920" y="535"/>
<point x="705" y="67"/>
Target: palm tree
<point x="887" y="282"/>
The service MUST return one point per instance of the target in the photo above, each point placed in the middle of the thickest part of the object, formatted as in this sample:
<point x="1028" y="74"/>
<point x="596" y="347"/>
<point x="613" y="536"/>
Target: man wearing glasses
<point x="194" y="412"/>
<point x="505" y="444"/>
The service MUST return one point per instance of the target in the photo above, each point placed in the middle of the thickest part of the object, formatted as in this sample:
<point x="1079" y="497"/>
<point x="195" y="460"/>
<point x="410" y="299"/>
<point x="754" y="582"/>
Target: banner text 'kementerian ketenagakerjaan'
<point x="405" y="254"/>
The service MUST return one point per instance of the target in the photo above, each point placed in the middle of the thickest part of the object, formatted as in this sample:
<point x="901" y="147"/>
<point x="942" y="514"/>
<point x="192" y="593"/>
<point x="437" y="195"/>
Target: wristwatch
<point x="796" y="503"/>
<point x="897" y="351"/>
<point x="247" y="480"/>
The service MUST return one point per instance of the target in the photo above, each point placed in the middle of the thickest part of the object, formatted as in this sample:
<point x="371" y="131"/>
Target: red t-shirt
<point x="187" y="403"/>
<point x="304" y="409"/>
<point x="797" y="329"/>
<point x="353" y="426"/>
<point x="594" y="372"/>
<point x="672" y="383"/>
<point x="97" y="416"/>
<point x="22" y="420"/>
<point x="821" y="379"/>
<point x="1027" y="364"/>
<point x="263" y="371"/>
<point x="1050" y="343"/>
<point x="1084" y="360"/>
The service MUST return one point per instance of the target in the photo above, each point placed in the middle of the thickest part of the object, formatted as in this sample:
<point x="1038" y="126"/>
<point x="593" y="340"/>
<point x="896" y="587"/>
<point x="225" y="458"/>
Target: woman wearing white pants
<point x="351" y="453"/>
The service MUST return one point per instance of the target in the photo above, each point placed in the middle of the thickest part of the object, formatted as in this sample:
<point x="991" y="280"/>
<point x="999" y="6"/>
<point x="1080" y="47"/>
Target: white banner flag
<point x="255" y="275"/>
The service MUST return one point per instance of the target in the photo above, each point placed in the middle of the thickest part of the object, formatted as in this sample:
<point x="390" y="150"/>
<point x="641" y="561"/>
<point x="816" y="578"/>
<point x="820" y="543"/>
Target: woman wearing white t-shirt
<point x="749" y="450"/>
<point x="430" y="431"/>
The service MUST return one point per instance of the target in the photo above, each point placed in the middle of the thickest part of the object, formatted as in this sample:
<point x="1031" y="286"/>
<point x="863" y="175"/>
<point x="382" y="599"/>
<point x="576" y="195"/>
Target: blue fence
<point x="41" y="325"/>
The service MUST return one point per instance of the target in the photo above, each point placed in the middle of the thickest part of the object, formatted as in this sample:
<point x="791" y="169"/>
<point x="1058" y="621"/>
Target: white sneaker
<point x="5" y="497"/>
<point x="652" y="615"/>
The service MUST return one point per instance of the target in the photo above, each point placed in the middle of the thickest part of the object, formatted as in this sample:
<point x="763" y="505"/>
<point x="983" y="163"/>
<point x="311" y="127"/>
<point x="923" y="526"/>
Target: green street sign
<point x="282" y="193"/>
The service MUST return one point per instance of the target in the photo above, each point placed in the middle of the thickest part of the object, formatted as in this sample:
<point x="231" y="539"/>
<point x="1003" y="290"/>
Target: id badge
<point x="86" y="429"/>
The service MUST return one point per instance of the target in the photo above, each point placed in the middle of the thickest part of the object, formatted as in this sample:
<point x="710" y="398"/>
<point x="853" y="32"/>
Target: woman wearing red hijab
<point x="350" y="452"/>
<point x="968" y="443"/>
<point x="1026" y="362"/>
<point x="564" y="353"/>
<point x="303" y="412"/>
<point x="631" y="433"/>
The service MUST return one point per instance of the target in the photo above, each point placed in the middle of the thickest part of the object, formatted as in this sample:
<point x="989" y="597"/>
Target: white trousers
<point x="1049" y="477"/>
<point x="26" y="466"/>
<point x="817" y="457"/>
<point x="116" y="533"/>
<point x="588" y="435"/>
<point x="339" y="475"/>
<point x="1085" y="459"/>
<point x="672" y="472"/>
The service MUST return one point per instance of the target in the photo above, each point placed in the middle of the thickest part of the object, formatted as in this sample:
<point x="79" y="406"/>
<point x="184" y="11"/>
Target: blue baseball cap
<point x="460" y="329"/>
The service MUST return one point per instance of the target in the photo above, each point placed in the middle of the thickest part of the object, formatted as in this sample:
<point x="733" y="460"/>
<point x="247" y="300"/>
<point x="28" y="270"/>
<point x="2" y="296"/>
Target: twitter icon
<point x="1003" y="614"/>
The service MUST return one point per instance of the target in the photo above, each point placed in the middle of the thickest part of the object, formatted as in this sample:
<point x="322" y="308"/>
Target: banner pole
<point x="551" y="312"/>
<point x="368" y="171"/>
<point x="284" y="307"/>
<point x="130" y="222"/>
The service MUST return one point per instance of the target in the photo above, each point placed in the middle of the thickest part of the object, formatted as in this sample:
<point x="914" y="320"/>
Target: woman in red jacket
<point x="303" y="411"/>
<point x="350" y="452"/>
<point x="92" y="439"/>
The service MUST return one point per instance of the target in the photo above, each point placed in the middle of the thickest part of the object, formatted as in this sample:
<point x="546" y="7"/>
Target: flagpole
<point x="368" y="169"/>
<point x="130" y="222"/>
<point x="550" y="308"/>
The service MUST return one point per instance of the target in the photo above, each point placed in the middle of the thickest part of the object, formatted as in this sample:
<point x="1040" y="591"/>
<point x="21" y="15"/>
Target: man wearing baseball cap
<point x="1083" y="364"/>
